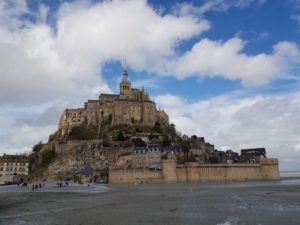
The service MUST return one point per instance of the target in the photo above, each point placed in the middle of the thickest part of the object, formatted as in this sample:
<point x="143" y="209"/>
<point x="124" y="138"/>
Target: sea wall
<point x="134" y="175"/>
<point x="267" y="169"/>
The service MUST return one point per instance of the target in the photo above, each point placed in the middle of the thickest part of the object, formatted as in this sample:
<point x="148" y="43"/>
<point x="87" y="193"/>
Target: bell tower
<point x="125" y="85"/>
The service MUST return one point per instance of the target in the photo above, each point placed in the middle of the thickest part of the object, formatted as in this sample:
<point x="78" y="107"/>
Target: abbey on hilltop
<point x="130" y="106"/>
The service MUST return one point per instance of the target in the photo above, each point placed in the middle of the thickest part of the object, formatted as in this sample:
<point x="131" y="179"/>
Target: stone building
<point x="147" y="157"/>
<point x="152" y="155"/>
<point x="130" y="106"/>
<point x="14" y="164"/>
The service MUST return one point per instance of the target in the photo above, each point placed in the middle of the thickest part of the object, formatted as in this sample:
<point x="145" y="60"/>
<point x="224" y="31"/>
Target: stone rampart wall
<point x="134" y="175"/>
<point x="267" y="170"/>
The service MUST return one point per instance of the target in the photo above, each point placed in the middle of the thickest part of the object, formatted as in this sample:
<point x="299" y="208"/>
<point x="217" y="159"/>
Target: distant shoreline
<point x="290" y="174"/>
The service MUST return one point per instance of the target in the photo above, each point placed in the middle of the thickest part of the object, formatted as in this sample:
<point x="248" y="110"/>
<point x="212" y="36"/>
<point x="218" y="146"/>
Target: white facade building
<point x="14" y="165"/>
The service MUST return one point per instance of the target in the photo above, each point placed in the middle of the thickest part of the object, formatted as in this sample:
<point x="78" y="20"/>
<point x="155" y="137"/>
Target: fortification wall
<point x="219" y="172"/>
<point x="134" y="175"/>
<point x="266" y="170"/>
<point x="270" y="169"/>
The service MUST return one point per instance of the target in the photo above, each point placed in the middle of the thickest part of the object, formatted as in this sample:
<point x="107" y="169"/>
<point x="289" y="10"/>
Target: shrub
<point x="37" y="147"/>
<point x="157" y="129"/>
<point x="32" y="160"/>
<point x="82" y="133"/>
<point x="120" y="137"/>
<point x="48" y="156"/>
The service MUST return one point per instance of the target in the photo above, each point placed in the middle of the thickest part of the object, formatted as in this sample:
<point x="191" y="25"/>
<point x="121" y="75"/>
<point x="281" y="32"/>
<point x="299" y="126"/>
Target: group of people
<point x="61" y="184"/>
<point x="23" y="184"/>
<point x="36" y="186"/>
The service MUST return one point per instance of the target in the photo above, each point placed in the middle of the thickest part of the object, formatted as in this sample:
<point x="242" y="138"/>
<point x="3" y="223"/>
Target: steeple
<point x="125" y="74"/>
<point x="125" y="85"/>
<point x="125" y="69"/>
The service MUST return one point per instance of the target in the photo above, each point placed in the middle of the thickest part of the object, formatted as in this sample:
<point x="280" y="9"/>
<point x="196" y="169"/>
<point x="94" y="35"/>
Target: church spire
<point x="125" y="73"/>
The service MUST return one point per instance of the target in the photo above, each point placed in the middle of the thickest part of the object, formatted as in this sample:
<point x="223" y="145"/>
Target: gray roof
<point x="109" y="95"/>
<point x="132" y="100"/>
<point x="87" y="171"/>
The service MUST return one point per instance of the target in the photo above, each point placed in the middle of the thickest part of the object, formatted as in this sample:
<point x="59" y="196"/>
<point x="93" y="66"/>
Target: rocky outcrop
<point x="72" y="156"/>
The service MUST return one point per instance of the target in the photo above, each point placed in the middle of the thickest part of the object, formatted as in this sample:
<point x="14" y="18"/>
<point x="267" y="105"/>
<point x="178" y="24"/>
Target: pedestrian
<point x="43" y="185"/>
<point x="32" y="187"/>
<point x="40" y="185"/>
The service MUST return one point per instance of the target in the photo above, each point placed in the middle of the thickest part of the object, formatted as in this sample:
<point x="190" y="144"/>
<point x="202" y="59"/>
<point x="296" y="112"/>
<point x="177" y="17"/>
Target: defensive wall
<point x="267" y="169"/>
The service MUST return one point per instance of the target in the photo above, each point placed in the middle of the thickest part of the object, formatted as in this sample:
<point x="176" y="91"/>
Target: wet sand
<point x="247" y="203"/>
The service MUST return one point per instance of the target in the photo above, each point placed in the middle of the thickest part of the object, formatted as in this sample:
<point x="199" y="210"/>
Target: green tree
<point x="120" y="136"/>
<point x="47" y="157"/>
<point x="37" y="147"/>
<point x="185" y="145"/>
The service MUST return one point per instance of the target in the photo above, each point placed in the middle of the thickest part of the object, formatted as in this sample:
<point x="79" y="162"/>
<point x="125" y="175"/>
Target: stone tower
<point x="125" y="85"/>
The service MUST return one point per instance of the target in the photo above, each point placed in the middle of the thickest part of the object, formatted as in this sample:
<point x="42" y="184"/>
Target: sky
<point x="227" y="70"/>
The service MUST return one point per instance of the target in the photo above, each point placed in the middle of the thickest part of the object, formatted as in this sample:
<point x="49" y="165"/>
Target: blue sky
<point x="226" y="70"/>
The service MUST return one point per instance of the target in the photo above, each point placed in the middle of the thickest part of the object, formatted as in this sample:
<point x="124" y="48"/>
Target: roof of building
<point x="92" y="100"/>
<point x="109" y="95"/>
<point x="132" y="100"/>
<point x="13" y="158"/>
<point x="253" y="151"/>
<point x="87" y="171"/>
<point x="156" y="148"/>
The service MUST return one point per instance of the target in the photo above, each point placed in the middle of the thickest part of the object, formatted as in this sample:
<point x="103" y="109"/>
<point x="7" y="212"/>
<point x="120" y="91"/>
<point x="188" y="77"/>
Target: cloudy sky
<point x="228" y="70"/>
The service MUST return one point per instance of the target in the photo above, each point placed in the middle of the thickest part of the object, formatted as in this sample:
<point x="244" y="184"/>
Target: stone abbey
<point x="149" y="148"/>
<point x="130" y="106"/>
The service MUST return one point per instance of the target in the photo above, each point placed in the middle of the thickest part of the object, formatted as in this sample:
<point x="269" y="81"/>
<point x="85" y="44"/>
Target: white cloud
<point x="66" y="64"/>
<point x="111" y="31"/>
<point x="9" y="13"/>
<point x="213" y="5"/>
<point x="22" y="138"/>
<point x="215" y="58"/>
<point x="230" y="121"/>
<point x="21" y="127"/>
